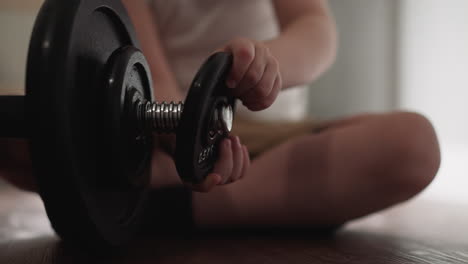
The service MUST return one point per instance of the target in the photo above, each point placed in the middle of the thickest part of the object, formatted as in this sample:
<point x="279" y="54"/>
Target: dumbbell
<point x="89" y="115"/>
<point x="207" y="118"/>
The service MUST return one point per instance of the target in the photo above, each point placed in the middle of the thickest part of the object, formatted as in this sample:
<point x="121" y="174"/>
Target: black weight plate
<point x="195" y="152"/>
<point x="68" y="102"/>
<point x="130" y="146"/>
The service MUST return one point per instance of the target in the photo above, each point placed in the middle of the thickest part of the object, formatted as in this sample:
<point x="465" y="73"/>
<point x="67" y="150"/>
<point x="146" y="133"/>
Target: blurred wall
<point x="434" y="80"/>
<point x="434" y="64"/>
<point x="363" y="77"/>
<point x="16" y="20"/>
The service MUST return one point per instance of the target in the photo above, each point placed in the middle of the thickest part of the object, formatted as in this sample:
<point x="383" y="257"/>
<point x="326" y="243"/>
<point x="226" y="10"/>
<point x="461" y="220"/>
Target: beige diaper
<point x="260" y="136"/>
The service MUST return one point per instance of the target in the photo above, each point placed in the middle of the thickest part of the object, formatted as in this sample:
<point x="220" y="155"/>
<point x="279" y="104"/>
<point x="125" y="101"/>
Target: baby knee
<point x="415" y="152"/>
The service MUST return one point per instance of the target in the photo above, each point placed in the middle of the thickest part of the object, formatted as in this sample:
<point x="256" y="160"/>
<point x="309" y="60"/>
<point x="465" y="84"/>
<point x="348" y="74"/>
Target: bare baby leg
<point x="352" y="168"/>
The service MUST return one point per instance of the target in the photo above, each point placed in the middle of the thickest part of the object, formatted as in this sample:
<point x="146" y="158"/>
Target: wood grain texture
<point x="343" y="247"/>
<point x="388" y="237"/>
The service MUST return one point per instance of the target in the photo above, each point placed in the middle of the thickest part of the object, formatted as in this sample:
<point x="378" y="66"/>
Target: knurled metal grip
<point x="165" y="117"/>
<point x="160" y="117"/>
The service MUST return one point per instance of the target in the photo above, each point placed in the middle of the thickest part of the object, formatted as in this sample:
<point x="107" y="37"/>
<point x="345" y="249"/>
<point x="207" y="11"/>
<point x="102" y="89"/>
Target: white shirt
<point x="190" y="30"/>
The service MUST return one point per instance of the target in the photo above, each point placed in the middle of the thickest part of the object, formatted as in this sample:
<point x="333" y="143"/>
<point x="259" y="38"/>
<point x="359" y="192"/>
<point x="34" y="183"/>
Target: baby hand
<point x="232" y="165"/>
<point x="255" y="77"/>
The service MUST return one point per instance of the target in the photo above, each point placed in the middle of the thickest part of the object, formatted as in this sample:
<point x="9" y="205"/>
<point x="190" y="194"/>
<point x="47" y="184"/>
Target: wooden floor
<point x="417" y="232"/>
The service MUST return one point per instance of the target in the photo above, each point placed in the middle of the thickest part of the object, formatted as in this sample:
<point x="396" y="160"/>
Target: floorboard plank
<point x="412" y="233"/>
